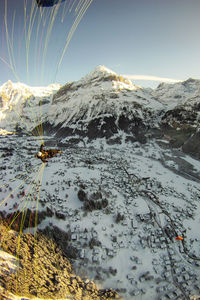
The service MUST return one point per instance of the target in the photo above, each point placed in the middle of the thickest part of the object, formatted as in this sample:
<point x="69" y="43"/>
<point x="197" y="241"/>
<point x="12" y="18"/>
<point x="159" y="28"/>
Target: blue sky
<point x="134" y="37"/>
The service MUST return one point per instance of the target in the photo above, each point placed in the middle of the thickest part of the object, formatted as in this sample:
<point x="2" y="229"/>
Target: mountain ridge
<point x="104" y="104"/>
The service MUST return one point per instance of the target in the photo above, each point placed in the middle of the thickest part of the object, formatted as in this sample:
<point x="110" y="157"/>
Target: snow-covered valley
<point x="115" y="210"/>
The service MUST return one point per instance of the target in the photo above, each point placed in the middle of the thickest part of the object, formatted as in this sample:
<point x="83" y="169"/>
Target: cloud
<point x="151" y="78"/>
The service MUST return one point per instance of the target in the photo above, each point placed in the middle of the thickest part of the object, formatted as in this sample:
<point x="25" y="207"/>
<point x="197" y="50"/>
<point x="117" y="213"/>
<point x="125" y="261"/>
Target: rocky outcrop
<point x="181" y="125"/>
<point x="41" y="271"/>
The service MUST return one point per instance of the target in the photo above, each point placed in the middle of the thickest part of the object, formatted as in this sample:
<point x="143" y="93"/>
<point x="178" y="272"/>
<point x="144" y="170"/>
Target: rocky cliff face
<point x="181" y="121"/>
<point x="104" y="104"/>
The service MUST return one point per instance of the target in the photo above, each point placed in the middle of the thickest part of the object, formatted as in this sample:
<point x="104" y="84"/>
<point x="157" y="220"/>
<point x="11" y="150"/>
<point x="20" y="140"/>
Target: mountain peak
<point x="7" y="85"/>
<point x="103" y="69"/>
<point x="103" y="74"/>
<point x="100" y="72"/>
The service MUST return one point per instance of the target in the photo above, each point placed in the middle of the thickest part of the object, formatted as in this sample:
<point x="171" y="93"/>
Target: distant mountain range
<point x="106" y="105"/>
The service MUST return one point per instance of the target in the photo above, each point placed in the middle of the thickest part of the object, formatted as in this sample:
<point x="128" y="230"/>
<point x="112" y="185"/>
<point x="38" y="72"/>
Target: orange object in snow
<point x="179" y="238"/>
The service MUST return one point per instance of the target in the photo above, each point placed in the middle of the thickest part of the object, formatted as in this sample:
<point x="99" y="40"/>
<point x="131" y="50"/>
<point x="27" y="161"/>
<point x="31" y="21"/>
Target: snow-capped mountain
<point x="105" y="104"/>
<point x="21" y="104"/>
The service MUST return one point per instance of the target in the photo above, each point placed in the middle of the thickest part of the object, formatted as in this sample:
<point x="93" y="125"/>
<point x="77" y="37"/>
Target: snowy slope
<point x="99" y="93"/>
<point x="23" y="105"/>
<point x="177" y="94"/>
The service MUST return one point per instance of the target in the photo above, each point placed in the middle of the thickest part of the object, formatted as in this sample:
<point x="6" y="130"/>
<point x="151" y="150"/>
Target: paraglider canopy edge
<point x="48" y="3"/>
